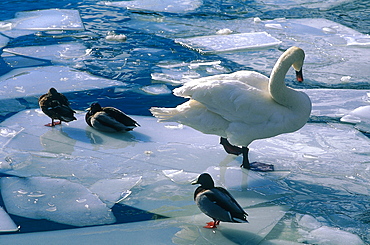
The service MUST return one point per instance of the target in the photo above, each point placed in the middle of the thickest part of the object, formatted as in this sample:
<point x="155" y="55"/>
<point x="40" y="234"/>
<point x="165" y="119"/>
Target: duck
<point x="56" y="106"/>
<point x="217" y="203"/>
<point x="243" y="106"/>
<point x="109" y="119"/>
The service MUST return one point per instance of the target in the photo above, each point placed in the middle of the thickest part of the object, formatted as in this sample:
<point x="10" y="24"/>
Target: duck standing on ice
<point x="217" y="203"/>
<point x="56" y="106"/>
<point x="243" y="106"/>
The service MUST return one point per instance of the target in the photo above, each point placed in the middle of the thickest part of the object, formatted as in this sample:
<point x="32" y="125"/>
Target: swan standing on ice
<point x="243" y="106"/>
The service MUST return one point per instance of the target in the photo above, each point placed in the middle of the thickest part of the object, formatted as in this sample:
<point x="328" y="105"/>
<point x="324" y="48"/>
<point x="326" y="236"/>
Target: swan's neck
<point x="278" y="90"/>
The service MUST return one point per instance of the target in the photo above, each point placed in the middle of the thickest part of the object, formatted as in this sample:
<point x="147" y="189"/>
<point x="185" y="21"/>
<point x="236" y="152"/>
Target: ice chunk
<point x="287" y="4"/>
<point x="6" y="223"/>
<point x="225" y="31"/>
<point x="235" y="178"/>
<point x="358" y="40"/>
<point x="263" y="219"/>
<point x="307" y="222"/>
<point x="180" y="176"/>
<point x="329" y="103"/>
<point x="112" y="36"/>
<point x="333" y="51"/>
<point x="156" y="89"/>
<point x="48" y="19"/>
<point x="360" y="114"/>
<point x="3" y="41"/>
<point x="112" y="191"/>
<point x="55" y="53"/>
<point x="360" y="117"/>
<point x="30" y="82"/>
<point x="183" y="230"/>
<point x="332" y="236"/>
<point x="227" y="43"/>
<point x="176" y="73"/>
<point x="173" y="6"/>
<point x="54" y="199"/>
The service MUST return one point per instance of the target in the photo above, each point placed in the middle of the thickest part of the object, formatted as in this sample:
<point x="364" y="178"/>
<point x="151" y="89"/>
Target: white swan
<point x="243" y="106"/>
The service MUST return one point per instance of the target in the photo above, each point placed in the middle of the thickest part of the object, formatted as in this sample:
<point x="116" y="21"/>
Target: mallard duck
<point x="217" y="203"/>
<point x="109" y="119"/>
<point x="243" y="106"/>
<point x="56" y="106"/>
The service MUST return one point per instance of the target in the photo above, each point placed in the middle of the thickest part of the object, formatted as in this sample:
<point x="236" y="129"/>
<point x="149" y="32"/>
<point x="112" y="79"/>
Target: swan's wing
<point x="195" y="115"/>
<point x="250" y="78"/>
<point x="232" y="97"/>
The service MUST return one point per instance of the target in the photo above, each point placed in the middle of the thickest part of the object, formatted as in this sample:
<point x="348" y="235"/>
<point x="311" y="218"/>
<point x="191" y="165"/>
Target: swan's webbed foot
<point x="254" y="166"/>
<point x="261" y="167"/>
<point x="229" y="148"/>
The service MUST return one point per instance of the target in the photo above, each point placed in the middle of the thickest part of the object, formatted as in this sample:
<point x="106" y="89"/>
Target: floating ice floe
<point x="287" y="4"/>
<point x="29" y="22"/>
<point x="314" y="232"/>
<point x="94" y="159"/>
<point x="332" y="236"/>
<point x="329" y="103"/>
<point x="360" y="117"/>
<point x="56" y="53"/>
<point x="112" y="36"/>
<point x="176" y="6"/>
<point x="334" y="52"/>
<point x="178" y="73"/>
<point x="112" y="191"/>
<point x="6" y="223"/>
<point x="32" y="82"/>
<point x="156" y="89"/>
<point x="57" y="200"/>
<point x="48" y="19"/>
<point x="228" y="43"/>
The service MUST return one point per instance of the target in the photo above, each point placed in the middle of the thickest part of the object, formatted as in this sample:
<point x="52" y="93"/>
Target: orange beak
<point x="299" y="75"/>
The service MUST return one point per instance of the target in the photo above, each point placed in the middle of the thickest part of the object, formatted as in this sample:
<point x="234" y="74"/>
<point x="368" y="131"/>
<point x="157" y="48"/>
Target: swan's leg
<point x="229" y="148"/>
<point x="255" y="166"/>
<point x="245" y="163"/>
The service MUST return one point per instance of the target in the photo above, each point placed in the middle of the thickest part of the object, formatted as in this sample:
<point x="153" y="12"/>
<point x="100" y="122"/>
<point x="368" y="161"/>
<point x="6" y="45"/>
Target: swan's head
<point x="298" y="64"/>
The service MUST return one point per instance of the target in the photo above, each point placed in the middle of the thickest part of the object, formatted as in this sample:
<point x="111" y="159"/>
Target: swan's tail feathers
<point x="164" y="114"/>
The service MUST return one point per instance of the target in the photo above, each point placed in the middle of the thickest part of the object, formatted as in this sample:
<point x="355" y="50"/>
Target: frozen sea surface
<point x="85" y="186"/>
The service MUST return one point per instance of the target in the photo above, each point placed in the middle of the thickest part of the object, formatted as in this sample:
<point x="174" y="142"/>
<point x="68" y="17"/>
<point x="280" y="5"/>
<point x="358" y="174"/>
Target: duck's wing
<point x="104" y="122"/>
<point x="120" y="116"/>
<point x="221" y="205"/>
<point x="61" y="98"/>
<point x="232" y="203"/>
<point x="54" y="109"/>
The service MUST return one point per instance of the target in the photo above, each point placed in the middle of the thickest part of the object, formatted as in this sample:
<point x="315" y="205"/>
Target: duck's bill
<point x="299" y="75"/>
<point x="195" y="182"/>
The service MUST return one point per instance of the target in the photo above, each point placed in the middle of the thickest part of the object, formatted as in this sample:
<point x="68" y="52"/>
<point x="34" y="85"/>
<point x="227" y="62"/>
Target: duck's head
<point x="205" y="180"/>
<point x="95" y="107"/>
<point x="53" y="91"/>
